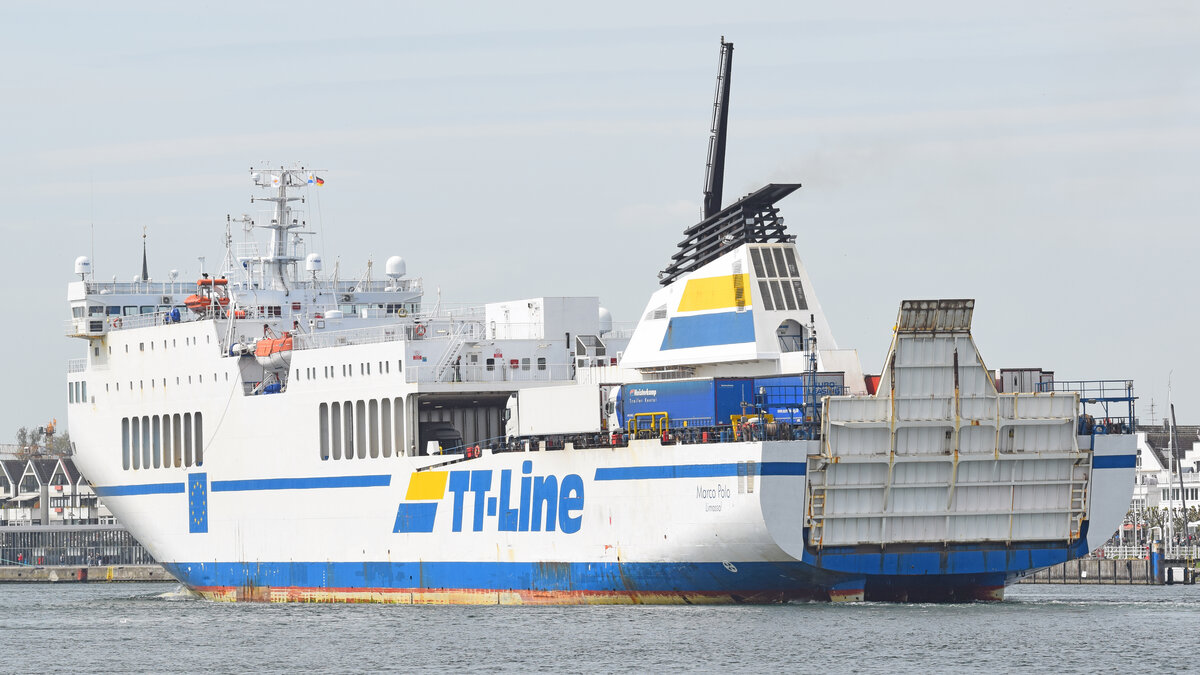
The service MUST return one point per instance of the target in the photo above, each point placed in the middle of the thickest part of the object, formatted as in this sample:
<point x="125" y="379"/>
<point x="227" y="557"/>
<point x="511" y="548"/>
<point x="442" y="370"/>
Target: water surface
<point x="158" y="627"/>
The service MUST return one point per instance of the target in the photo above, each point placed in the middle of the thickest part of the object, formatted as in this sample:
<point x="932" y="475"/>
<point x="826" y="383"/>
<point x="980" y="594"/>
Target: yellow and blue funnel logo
<point x="705" y="324"/>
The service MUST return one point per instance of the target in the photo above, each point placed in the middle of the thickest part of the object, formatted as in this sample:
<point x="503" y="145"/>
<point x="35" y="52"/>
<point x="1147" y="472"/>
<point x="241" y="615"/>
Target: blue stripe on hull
<point x="314" y="483"/>
<point x="564" y="582"/>
<point x="143" y="489"/>
<point x="1114" y="461"/>
<point x="699" y="470"/>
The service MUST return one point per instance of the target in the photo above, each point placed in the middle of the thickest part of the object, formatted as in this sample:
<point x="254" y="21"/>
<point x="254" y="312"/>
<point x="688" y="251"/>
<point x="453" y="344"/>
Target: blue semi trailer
<point x="707" y="403"/>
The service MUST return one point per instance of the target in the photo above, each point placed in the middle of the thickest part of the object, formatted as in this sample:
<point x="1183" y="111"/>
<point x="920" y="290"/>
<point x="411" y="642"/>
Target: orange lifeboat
<point x="204" y="282"/>
<point x="274" y="353"/>
<point x="197" y="303"/>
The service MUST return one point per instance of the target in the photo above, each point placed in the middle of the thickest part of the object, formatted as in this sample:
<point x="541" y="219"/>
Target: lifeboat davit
<point x="197" y="303"/>
<point x="274" y="353"/>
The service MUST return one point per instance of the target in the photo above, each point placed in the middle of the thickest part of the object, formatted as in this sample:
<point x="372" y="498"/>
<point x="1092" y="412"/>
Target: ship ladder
<point x="1077" y="505"/>
<point x="816" y="509"/>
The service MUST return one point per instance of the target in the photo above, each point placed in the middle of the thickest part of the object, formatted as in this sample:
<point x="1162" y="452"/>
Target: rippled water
<point x="158" y="627"/>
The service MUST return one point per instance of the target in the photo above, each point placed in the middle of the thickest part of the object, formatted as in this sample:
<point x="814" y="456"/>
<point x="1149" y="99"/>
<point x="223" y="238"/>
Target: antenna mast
<point x="714" y="178"/>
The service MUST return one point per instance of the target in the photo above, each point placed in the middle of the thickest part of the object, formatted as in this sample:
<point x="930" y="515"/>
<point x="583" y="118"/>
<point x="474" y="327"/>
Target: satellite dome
<point x="312" y="262"/>
<point x="605" y="321"/>
<point x="83" y="265"/>
<point x="395" y="267"/>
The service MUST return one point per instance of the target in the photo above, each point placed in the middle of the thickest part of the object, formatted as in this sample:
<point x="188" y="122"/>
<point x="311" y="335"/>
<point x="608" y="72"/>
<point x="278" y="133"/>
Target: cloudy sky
<point x="1040" y="157"/>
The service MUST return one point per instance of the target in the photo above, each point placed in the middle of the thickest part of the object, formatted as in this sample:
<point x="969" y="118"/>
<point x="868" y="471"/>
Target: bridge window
<point x="360" y="418"/>
<point x="385" y="425"/>
<point x="199" y="439"/>
<point x="373" y="427"/>
<point x="125" y="441"/>
<point x="323" y="429"/>
<point x="348" y="428"/>
<point x="335" y="434"/>
<point x="157" y="434"/>
<point x="187" y="439"/>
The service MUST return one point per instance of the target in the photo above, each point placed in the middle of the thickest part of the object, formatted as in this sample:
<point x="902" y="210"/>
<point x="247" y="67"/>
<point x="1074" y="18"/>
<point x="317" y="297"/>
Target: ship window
<point x="141" y="346"/>
<point x="769" y="264"/>
<point x="779" y="265"/>
<point x="764" y="294"/>
<point x="360" y="425"/>
<point x="323" y="429"/>
<point x="157" y="434"/>
<point x="348" y="428"/>
<point x="777" y="295"/>
<point x="187" y="439"/>
<point x="177" y="443"/>
<point x="756" y="258"/>
<point x="77" y="312"/>
<point x="166" y="441"/>
<point x="129" y="310"/>
<point x="335" y="433"/>
<point x="792" y="267"/>
<point x="800" y="301"/>
<point x="491" y="364"/>
<point x="199" y="439"/>
<point x="373" y="429"/>
<point x="398" y="426"/>
<point x="83" y="391"/>
<point x="368" y="369"/>
<point x="113" y="310"/>
<point x="787" y="295"/>
<point x="125" y="443"/>
<point x="541" y="363"/>
<point x="70" y="392"/>
<point x="146" y="450"/>
<point x="525" y="363"/>
<point x="96" y="310"/>
<point x="385" y="426"/>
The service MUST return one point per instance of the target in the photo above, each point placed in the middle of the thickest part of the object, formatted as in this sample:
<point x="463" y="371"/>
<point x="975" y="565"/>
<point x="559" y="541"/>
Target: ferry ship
<point x="272" y="432"/>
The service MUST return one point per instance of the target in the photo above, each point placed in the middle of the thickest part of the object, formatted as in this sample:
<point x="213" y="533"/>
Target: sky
<point x="1040" y="157"/>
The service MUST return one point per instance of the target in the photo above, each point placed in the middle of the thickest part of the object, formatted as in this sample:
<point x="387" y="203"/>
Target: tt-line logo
<point x="480" y="498"/>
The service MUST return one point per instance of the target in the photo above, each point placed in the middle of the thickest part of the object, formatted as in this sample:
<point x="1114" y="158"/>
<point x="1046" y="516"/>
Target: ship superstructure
<point x="272" y="432"/>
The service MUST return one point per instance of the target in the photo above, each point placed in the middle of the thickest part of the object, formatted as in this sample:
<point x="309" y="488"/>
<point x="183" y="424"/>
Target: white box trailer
<point x="543" y="411"/>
